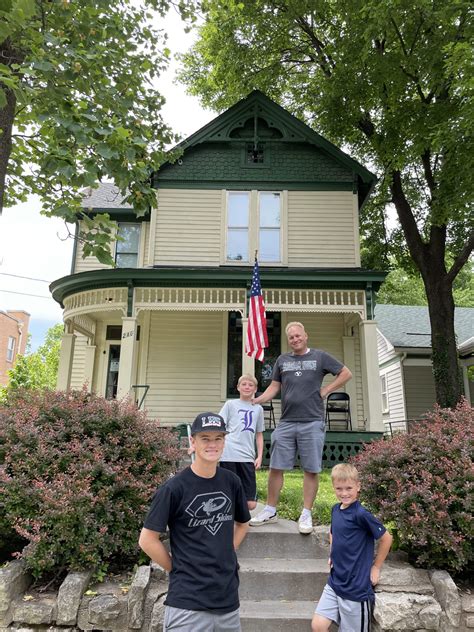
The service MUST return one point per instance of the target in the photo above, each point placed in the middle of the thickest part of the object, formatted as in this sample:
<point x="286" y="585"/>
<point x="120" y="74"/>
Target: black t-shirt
<point x="200" y="514"/>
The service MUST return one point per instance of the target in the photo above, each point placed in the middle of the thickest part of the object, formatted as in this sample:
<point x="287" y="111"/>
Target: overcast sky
<point x="35" y="246"/>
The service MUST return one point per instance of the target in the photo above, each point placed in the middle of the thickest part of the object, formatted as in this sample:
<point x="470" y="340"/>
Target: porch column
<point x="89" y="366"/>
<point x="248" y="363"/>
<point x="66" y="356"/>
<point x="372" y="390"/>
<point x="348" y="345"/>
<point x="128" y="352"/>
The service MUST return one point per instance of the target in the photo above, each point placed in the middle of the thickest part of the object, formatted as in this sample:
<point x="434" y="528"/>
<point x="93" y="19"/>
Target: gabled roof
<point x="258" y="105"/>
<point x="409" y="326"/>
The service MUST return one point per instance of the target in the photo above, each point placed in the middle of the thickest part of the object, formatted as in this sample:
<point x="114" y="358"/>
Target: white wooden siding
<point x="146" y="242"/>
<point x="396" y="405"/>
<point x="419" y="390"/>
<point x="385" y="350"/>
<point x="184" y="365"/>
<point x="78" y="364"/>
<point x="322" y="229"/>
<point x="89" y="263"/>
<point x="188" y="227"/>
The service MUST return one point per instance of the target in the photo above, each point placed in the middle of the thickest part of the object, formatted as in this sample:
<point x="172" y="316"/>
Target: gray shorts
<point x="350" y="616"/>
<point x="200" y="621"/>
<point x="292" y="437"/>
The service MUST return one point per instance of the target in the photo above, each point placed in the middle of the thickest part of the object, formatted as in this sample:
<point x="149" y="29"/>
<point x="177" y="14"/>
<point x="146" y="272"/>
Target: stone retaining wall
<point x="407" y="599"/>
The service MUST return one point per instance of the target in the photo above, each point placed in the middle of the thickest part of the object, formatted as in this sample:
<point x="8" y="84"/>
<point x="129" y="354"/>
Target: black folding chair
<point x="338" y="409"/>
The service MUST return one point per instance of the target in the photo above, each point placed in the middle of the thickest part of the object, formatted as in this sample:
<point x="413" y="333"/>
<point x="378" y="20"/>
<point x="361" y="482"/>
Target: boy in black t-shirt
<point x="206" y="512"/>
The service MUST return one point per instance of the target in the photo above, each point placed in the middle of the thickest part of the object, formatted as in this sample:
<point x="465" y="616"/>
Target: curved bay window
<point x="263" y="370"/>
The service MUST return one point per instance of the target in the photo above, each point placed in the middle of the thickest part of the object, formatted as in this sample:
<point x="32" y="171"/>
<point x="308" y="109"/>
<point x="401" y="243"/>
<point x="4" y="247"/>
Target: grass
<point x="291" y="497"/>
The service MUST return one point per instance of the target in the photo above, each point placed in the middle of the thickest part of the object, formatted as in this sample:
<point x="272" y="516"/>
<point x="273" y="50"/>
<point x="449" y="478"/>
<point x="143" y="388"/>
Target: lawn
<point x="291" y="498"/>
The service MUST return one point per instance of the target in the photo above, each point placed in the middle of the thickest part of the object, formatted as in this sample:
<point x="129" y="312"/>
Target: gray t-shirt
<point x="301" y="377"/>
<point x="242" y="420"/>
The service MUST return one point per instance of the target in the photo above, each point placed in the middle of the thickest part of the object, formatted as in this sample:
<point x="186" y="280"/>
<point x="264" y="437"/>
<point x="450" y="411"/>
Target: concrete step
<point x="282" y="539"/>
<point x="277" y="616"/>
<point x="282" y="579"/>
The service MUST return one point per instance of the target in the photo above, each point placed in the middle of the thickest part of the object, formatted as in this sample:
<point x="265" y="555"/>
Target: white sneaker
<point x="305" y="524"/>
<point x="264" y="517"/>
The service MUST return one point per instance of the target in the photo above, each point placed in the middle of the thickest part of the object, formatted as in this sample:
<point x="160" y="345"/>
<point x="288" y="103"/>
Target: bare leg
<point x="320" y="624"/>
<point x="275" y="483"/>
<point x="251" y="504"/>
<point x="310" y="488"/>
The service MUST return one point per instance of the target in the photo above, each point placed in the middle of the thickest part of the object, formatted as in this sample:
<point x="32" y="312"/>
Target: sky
<point x="38" y="247"/>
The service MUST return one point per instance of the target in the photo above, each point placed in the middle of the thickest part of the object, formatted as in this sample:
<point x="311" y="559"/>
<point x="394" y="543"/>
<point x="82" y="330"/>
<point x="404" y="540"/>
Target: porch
<point x="339" y="445"/>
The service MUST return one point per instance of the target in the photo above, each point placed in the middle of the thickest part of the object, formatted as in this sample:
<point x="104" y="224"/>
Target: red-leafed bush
<point x="79" y="473"/>
<point x="422" y="482"/>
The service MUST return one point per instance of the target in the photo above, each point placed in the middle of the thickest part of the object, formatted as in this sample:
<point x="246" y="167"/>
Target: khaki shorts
<point x="295" y="437"/>
<point x="180" y="620"/>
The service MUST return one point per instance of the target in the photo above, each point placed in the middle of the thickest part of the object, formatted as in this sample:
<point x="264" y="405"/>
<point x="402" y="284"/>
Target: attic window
<point x="255" y="155"/>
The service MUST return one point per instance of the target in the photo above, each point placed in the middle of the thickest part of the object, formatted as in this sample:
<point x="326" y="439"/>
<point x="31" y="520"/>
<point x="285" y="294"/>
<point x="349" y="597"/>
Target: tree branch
<point x="462" y="257"/>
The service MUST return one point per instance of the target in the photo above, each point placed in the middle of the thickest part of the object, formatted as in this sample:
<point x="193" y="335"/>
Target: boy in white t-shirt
<point x="245" y="425"/>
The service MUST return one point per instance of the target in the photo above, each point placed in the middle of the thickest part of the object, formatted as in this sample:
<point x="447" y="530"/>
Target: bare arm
<point x="150" y="542"/>
<point x="259" y="441"/>
<point x="383" y="549"/>
<point x="240" y="531"/>
<point x="341" y="378"/>
<point x="269" y="393"/>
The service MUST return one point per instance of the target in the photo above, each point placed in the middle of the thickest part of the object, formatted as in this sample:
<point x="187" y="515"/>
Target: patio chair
<point x="268" y="413"/>
<point x="338" y="410"/>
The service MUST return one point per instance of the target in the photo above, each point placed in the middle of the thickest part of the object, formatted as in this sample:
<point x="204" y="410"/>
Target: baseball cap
<point x="208" y="422"/>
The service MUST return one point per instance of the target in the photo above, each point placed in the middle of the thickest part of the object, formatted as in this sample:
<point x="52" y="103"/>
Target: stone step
<point x="277" y="616"/>
<point x="282" y="539"/>
<point x="282" y="579"/>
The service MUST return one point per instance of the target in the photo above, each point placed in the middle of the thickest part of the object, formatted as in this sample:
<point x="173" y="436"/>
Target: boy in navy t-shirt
<point x="206" y="512"/>
<point x="348" y="597"/>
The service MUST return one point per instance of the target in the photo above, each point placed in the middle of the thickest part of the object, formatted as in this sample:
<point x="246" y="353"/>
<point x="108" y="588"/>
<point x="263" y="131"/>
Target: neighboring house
<point x="13" y="339"/>
<point x="404" y="349"/>
<point x="173" y="314"/>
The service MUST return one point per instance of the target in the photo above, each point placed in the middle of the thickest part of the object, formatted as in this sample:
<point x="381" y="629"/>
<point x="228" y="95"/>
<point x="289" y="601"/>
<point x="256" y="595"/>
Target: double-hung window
<point x="254" y="222"/>
<point x="384" y="385"/>
<point x="126" y="252"/>
<point x="10" y="348"/>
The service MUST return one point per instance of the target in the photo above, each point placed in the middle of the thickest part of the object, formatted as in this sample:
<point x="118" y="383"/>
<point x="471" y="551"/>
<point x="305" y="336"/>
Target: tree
<point x="402" y="288"/>
<point x="38" y="370"/>
<point x="77" y="104"/>
<point x="392" y="81"/>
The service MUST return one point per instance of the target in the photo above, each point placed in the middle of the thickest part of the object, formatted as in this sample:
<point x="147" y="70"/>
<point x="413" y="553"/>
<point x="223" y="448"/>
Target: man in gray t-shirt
<point x="299" y="375"/>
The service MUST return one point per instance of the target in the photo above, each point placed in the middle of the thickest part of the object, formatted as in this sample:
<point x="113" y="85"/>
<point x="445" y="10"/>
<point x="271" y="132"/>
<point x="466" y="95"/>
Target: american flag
<point x="257" y="338"/>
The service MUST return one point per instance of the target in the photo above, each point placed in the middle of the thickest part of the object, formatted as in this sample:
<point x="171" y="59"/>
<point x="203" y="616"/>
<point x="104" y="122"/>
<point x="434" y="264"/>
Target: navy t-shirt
<point x="354" y="531"/>
<point x="200" y="514"/>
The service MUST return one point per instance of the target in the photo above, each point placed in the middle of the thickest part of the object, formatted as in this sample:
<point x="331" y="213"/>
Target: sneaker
<point x="305" y="524"/>
<point x="264" y="517"/>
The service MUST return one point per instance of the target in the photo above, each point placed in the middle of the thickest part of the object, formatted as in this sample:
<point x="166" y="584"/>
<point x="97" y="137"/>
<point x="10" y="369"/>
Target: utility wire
<point x="25" y="294"/>
<point x="18" y="276"/>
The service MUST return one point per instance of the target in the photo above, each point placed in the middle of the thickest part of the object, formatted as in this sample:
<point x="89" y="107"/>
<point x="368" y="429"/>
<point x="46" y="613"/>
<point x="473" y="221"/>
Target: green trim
<point x="227" y="276"/>
<point x="256" y="104"/>
<point x="263" y="185"/>
<point x="118" y="214"/>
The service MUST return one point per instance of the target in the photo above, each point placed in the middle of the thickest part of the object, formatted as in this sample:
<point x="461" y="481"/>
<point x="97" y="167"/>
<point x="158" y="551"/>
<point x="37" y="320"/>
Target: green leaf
<point x="105" y="151"/>
<point x="3" y="98"/>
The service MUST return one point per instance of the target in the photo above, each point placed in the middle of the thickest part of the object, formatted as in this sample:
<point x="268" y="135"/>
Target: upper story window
<point x="126" y="252"/>
<point x="253" y="223"/>
<point x="10" y="348"/>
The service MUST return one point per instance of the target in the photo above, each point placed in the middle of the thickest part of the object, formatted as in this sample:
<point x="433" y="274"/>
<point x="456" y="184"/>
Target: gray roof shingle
<point x="105" y="196"/>
<point x="409" y="326"/>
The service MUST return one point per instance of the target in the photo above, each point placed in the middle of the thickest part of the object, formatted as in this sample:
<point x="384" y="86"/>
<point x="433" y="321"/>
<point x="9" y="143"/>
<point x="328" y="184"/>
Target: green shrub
<point x="422" y="482"/>
<point x="79" y="474"/>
